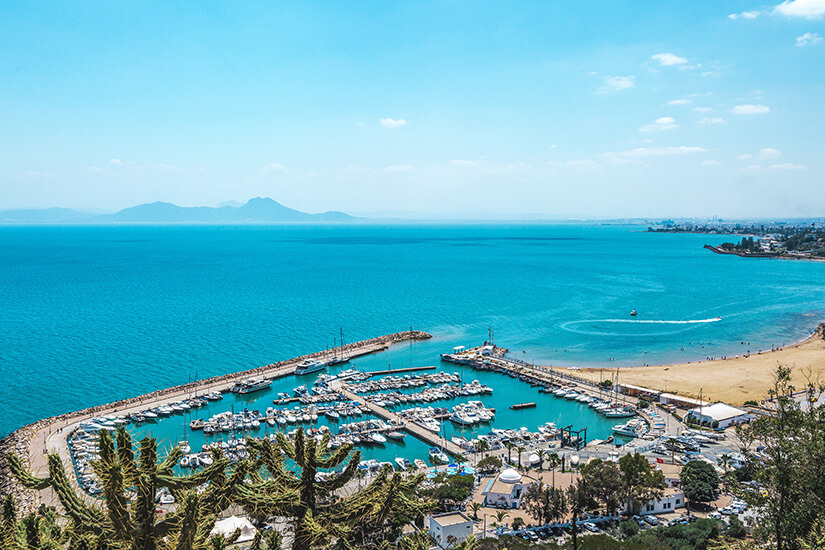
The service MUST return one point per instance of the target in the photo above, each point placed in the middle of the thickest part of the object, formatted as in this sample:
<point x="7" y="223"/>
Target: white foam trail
<point x="653" y="322"/>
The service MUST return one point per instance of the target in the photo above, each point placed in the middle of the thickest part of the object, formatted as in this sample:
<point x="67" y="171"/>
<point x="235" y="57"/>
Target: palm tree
<point x="501" y="515"/>
<point x="482" y="446"/>
<point x="469" y="543"/>
<point x="725" y="460"/>
<point x="475" y="507"/>
<point x="553" y="461"/>
<point x="519" y="450"/>
<point x="542" y="454"/>
<point x="510" y="446"/>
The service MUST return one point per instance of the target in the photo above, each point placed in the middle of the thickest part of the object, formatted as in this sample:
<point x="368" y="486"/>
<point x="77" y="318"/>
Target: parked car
<point x="591" y="527"/>
<point x="714" y="515"/>
<point x="652" y="520"/>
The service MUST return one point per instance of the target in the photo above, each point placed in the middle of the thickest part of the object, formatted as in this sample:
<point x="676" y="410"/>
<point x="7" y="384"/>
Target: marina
<point x="434" y="415"/>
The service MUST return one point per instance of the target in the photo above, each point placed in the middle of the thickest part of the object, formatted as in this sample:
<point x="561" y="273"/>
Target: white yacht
<point x="308" y="366"/>
<point x="249" y="385"/>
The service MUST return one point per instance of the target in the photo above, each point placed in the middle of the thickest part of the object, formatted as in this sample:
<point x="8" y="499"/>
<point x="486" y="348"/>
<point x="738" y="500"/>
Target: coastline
<point x="733" y="380"/>
<point x="763" y="255"/>
<point x="33" y="442"/>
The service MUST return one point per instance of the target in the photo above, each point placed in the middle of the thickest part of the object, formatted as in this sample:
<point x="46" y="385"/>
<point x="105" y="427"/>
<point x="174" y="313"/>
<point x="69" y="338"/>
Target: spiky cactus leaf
<point x="23" y="476"/>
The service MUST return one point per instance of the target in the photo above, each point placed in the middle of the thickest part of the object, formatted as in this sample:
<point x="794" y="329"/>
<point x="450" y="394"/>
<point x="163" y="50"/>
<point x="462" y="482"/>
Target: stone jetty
<point x="33" y="442"/>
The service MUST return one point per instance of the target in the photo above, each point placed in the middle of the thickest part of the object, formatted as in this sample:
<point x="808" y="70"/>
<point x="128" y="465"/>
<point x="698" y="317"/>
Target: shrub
<point x="629" y="528"/>
<point x="736" y="528"/>
<point x="643" y="404"/>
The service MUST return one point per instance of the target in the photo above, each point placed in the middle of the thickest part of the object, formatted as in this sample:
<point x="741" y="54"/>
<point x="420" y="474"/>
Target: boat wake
<point x="653" y="321"/>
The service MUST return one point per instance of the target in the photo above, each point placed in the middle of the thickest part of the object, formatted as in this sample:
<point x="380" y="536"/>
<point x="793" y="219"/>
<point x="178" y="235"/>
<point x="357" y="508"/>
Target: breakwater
<point x="46" y="436"/>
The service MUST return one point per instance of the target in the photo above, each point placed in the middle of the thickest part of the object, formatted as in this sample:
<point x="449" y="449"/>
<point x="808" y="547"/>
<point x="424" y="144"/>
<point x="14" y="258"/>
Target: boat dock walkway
<point x="410" y="427"/>
<point x="402" y="369"/>
<point x="48" y="436"/>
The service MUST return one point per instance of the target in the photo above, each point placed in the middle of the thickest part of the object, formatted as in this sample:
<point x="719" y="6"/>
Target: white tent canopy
<point x="231" y="524"/>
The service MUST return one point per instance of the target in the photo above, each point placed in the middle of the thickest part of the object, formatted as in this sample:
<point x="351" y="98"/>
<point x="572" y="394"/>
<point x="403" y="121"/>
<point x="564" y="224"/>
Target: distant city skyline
<point x="597" y="110"/>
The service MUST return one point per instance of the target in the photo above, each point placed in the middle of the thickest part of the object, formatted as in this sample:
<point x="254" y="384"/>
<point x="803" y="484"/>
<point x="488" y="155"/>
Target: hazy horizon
<point x="536" y="110"/>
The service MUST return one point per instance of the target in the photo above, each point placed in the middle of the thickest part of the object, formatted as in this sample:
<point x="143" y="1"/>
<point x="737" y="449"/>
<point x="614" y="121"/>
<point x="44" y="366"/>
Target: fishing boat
<point x="437" y="456"/>
<point x="403" y="463"/>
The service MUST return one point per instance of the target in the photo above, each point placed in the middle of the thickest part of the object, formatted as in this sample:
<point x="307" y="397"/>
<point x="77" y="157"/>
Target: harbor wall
<point x="20" y="441"/>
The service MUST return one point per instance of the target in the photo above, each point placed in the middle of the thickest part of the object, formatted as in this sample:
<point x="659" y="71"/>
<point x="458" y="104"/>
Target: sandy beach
<point x="733" y="380"/>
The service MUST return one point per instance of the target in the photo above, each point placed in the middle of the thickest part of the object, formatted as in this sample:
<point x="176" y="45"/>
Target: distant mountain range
<point x="257" y="210"/>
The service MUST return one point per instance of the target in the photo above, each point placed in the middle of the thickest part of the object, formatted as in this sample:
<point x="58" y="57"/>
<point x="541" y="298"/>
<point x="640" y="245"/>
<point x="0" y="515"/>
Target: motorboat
<point x="378" y="438"/>
<point x="308" y="366"/>
<point x="403" y="463"/>
<point x="249" y="385"/>
<point x="420" y="464"/>
<point x="437" y="456"/>
<point x="397" y="435"/>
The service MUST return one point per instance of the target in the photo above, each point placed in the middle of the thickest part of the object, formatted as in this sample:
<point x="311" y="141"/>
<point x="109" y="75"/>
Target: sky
<point x="558" y="109"/>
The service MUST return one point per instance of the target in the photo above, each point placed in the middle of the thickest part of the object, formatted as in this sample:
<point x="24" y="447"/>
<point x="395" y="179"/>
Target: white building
<point x="450" y="528"/>
<point x="506" y="490"/>
<point x="719" y="412"/>
<point x="672" y="499"/>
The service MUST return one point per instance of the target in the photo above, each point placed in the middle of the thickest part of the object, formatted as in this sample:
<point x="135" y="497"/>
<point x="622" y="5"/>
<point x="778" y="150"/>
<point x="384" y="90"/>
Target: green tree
<point x="482" y="446"/>
<point x="489" y="464"/>
<point x="605" y="481"/>
<point x="501" y="515"/>
<point x="475" y="507"/>
<point x="700" y="482"/>
<point x="518" y="523"/>
<point x="789" y="466"/>
<point x="519" y="450"/>
<point x="553" y="461"/>
<point x="640" y="482"/>
<point x="510" y="446"/>
<point x="579" y="500"/>
<point x="543" y="503"/>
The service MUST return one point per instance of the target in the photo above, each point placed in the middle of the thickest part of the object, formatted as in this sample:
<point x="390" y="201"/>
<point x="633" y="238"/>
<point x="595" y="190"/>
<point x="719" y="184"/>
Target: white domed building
<point x="505" y="491"/>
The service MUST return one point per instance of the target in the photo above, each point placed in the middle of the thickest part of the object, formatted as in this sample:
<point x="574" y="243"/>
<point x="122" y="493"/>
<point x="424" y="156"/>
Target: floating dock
<point x="412" y="428"/>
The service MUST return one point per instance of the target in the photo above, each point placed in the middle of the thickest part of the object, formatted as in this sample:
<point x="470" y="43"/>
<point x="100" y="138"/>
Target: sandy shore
<point x="733" y="380"/>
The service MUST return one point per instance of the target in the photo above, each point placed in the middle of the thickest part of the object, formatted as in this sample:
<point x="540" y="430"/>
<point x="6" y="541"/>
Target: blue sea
<point x="89" y="315"/>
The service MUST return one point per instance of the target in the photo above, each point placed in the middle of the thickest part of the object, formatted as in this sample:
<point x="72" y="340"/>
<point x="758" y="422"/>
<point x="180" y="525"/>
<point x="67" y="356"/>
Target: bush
<point x="489" y="464"/>
<point x="606" y="384"/>
<point x="643" y="404"/>
<point x="629" y="528"/>
<point x="518" y="523"/>
<point x="736" y="528"/>
<point x="751" y="403"/>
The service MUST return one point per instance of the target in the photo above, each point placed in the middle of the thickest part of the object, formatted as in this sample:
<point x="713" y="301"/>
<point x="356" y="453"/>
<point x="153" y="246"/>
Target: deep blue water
<point x="93" y="314"/>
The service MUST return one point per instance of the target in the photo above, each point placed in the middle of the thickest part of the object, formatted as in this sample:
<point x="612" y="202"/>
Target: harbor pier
<point x="33" y="442"/>
<point x="411" y="428"/>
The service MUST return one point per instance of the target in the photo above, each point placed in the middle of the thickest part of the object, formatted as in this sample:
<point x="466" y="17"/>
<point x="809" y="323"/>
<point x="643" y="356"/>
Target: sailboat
<point x="339" y="358"/>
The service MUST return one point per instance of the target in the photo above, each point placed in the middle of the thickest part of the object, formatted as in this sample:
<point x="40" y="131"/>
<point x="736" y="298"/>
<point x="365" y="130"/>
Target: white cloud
<point x="116" y="162"/>
<point x="769" y="153"/>
<point x="703" y="109"/>
<point x="710" y="163"/>
<point x="663" y="123"/>
<point x="393" y="122"/>
<point x="750" y="109"/>
<point x="361" y="124"/>
<point x="95" y="169"/>
<point x="617" y="83"/>
<point x="662" y="151"/>
<point x="274" y="167"/>
<point x="401" y="168"/>
<point x="679" y="102"/>
<point x="787" y="166"/>
<point x="744" y="15"/>
<point x="459" y="162"/>
<point x="746" y="156"/>
<point x="757" y="169"/>
<point x="669" y="59"/>
<point x="808" y="39"/>
<point x="712" y="120"/>
<point x="809" y="9"/>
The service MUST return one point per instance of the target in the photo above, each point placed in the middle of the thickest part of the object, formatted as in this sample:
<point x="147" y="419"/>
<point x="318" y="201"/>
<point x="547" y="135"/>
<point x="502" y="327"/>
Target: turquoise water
<point x="93" y="314"/>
